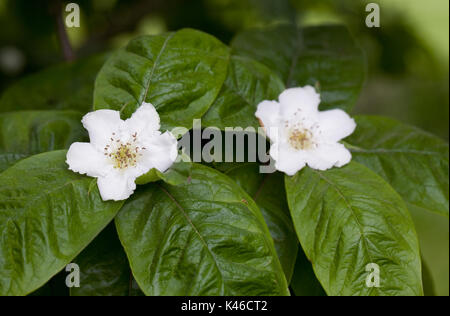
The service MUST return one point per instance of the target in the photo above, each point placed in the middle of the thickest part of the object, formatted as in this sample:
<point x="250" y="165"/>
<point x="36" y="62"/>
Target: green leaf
<point x="304" y="282"/>
<point x="414" y="162"/>
<point x="324" y="56"/>
<point x="247" y="84"/>
<point x="347" y="218"/>
<point x="27" y="133"/>
<point x="48" y="214"/>
<point x="66" y="86"/>
<point x="267" y="190"/>
<point x="180" y="73"/>
<point x="104" y="268"/>
<point x="204" y="236"/>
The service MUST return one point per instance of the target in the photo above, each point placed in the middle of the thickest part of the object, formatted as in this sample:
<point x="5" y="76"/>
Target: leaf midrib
<point x="156" y="64"/>
<point x="350" y="207"/>
<point x="196" y="231"/>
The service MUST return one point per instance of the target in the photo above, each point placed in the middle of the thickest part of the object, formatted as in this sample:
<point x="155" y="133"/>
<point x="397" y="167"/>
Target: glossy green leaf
<point x="180" y="73"/>
<point x="66" y="86"/>
<point x="347" y="218"/>
<point x="267" y="190"/>
<point x="48" y="214"/>
<point x="203" y="236"/>
<point x="104" y="268"/>
<point x="414" y="162"/>
<point x="324" y="56"/>
<point x="304" y="281"/>
<point x="27" y="133"/>
<point x="248" y="83"/>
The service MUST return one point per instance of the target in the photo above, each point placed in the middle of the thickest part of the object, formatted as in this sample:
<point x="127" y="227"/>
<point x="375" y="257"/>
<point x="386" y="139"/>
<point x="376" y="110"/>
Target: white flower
<point x="301" y="135"/>
<point x="121" y="151"/>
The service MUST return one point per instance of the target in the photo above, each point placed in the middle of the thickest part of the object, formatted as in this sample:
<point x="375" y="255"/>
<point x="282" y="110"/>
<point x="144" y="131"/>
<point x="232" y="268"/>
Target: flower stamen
<point x="123" y="155"/>
<point x="301" y="139"/>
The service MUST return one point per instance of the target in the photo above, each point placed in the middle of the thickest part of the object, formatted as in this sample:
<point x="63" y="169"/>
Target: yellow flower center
<point x="301" y="139"/>
<point x="123" y="155"/>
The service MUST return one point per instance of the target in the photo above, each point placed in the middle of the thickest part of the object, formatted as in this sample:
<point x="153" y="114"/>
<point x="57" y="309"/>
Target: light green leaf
<point x="27" y="133"/>
<point x="267" y="190"/>
<point x="324" y="56"/>
<point x="414" y="162"/>
<point x="248" y="83"/>
<point x="347" y="218"/>
<point x="204" y="236"/>
<point x="48" y="214"/>
<point x="66" y="86"/>
<point x="180" y="73"/>
<point x="104" y="268"/>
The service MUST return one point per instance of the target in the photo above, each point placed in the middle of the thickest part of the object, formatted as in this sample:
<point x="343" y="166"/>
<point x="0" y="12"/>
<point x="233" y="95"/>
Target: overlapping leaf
<point x="202" y="236"/>
<point x="26" y="133"/>
<point x="180" y="73"/>
<point x="267" y="190"/>
<point x="347" y="218"/>
<point x="48" y="214"/>
<point x="414" y="162"/>
<point x="324" y="56"/>
<point x="248" y="83"/>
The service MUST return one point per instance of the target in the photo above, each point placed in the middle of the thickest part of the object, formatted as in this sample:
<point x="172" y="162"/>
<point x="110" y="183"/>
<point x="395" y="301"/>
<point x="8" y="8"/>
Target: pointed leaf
<point x="48" y="214"/>
<point x="267" y="190"/>
<point x="248" y="83"/>
<point x="204" y="236"/>
<point x="322" y="56"/>
<point x="414" y="162"/>
<point x="347" y="218"/>
<point x="180" y="73"/>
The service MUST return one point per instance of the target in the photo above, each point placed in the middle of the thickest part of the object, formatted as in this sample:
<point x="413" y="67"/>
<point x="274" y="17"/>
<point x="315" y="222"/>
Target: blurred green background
<point x="408" y="57"/>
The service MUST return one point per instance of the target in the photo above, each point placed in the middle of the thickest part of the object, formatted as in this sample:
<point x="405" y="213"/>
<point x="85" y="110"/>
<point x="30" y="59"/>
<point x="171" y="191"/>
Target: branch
<point x="64" y="42"/>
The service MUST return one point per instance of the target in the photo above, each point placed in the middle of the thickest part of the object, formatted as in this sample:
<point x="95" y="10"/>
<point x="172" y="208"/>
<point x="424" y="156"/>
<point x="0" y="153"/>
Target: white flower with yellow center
<point x="121" y="151"/>
<point x="301" y="135"/>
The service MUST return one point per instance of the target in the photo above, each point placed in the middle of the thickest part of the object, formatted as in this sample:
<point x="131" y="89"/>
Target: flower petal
<point x="101" y="125"/>
<point x="286" y="159"/>
<point x="86" y="159"/>
<point x="296" y="101"/>
<point x="335" y="125"/>
<point x="145" y="120"/>
<point x="161" y="152"/>
<point x="327" y="156"/>
<point x="116" y="186"/>
<point x="268" y="113"/>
